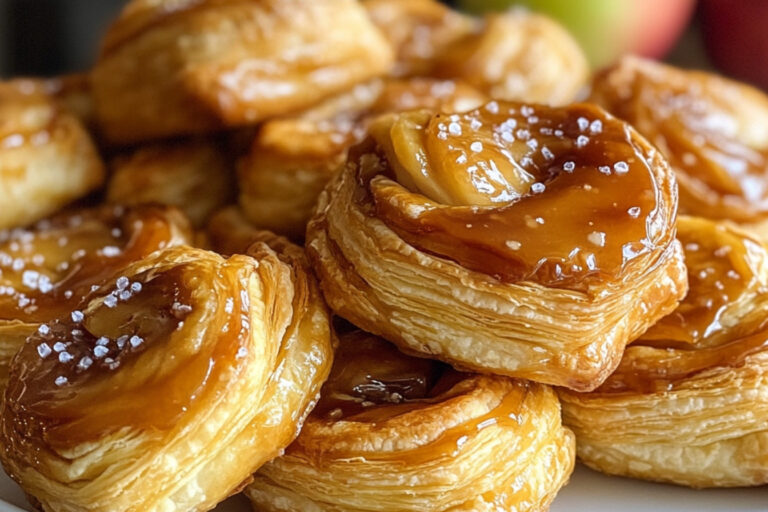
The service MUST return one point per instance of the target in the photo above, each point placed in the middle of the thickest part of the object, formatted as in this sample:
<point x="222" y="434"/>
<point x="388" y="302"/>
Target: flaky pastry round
<point x="518" y="56"/>
<point x="419" y="31"/>
<point x="46" y="270"/>
<point x="169" y="385"/>
<point x="689" y="402"/>
<point x="292" y="159"/>
<point x="398" y="433"/>
<point x="47" y="159"/>
<point x="713" y="131"/>
<point x="523" y="240"/>
<point x="195" y="176"/>
<point x="194" y="66"/>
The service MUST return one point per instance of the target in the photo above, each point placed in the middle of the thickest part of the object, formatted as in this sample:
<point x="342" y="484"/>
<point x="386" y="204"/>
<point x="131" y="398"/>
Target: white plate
<point x="587" y="492"/>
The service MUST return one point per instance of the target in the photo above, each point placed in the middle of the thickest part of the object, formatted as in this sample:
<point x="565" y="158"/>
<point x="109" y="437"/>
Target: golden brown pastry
<point x="292" y="159"/>
<point x="47" y="159"/>
<point x="523" y="240"/>
<point x="419" y="31"/>
<point x="229" y="232"/>
<point x="713" y="131"/>
<point x="193" y="66"/>
<point x="45" y="271"/>
<point x="688" y="403"/>
<point x="518" y="56"/>
<point x="184" y="375"/>
<point x="71" y="91"/>
<point x="398" y="433"/>
<point x="195" y="176"/>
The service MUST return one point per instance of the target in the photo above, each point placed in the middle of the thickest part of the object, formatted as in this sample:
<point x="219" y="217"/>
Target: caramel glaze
<point x="723" y="267"/>
<point x="129" y="365"/>
<point x="46" y="270"/>
<point x="694" y="119"/>
<point x="563" y="197"/>
<point x="372" y="382"/>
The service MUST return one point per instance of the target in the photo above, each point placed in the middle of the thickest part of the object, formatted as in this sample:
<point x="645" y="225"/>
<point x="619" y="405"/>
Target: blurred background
<point x="50" y="37"/>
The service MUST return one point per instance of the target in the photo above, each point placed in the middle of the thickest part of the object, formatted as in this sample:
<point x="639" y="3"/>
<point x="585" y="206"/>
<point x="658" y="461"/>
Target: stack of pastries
<point x="379" y="256"/>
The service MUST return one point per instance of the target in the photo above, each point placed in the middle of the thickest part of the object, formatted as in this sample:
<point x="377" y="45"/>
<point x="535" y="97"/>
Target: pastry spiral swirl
<point x="47" y="159"/>
<point x="413" y="434"/>
<point x="168" y="386"/>
<point x="45" y="271"/>
<point x="195" y="66"/>
<point x="522" y="240"/>
<point x="689" y="401"/>
<point x="711" y="129"/>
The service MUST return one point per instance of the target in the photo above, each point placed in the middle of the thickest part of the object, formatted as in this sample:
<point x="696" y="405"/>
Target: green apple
<point x="607" y="29"/>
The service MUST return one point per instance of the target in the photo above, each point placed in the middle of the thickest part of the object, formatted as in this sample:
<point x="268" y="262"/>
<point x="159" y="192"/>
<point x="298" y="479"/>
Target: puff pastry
<point x="518" y="56"/>
<point x="168" y="386"/>
<point x="47" y="159"/>
<point x="689" y="401"/>
<point x="72" y="91"/>
<point x="292" y="159"/>
<point x="195" y="176"/>
<point x="523" y="240"/>
<point x="393" y="432"/>
<point x="193" y="66"/>
<point x="419" y="31"/>
<point x="46" y="270"/>
<point x="713" y="131"/>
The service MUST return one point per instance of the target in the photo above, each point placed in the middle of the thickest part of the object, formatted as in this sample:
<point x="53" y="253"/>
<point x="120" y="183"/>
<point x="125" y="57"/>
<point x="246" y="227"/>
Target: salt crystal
<point x="77" y="316"/>
<point x="43" y="350"/>
<point x="597" y="238"/>
<point x="61" y="380"/>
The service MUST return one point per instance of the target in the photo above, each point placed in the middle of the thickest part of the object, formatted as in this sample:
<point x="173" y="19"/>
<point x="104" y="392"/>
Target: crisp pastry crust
<point x="292" y="159"/>
<point x="523" y="240"/>
<point x="689" y="401"/>
<point x="419" y="31"/>
<point x="195" y="176"/>
<point x="47" y="159"/>
<point x="46" y="270"/>
<point x="72" y="91"/>
<point x="194" y="66"/>
<point x="182" y="377"/>
<point x="713" y="131"/>
<point x="518" y="56"/>
<point x="229" y="232"/>
<point x="393" y="432"/>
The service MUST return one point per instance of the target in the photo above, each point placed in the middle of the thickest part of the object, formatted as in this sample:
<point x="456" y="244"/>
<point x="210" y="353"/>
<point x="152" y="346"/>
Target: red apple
<point x="736" y="37"/>
<point x="608" y="29"/>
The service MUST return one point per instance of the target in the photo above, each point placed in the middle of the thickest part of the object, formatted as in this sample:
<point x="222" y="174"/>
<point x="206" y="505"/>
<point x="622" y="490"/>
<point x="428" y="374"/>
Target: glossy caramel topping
<point x="371" y="380"/>
<point x="521" y="192"/>
<point x="46" y="270"/>
<point x="711" y="129"/>
<point x="134" y="356"/>
<point x="713" y="326"/>
<point x="721" y="268"/>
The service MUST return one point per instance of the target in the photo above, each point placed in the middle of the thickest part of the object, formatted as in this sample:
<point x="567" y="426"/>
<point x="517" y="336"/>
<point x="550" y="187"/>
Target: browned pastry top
<point x="721" y="321"/>
<point x="520" y="192"/>
<point x="47" y="269"/>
